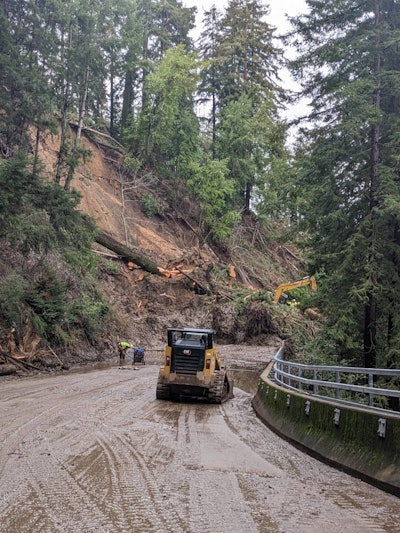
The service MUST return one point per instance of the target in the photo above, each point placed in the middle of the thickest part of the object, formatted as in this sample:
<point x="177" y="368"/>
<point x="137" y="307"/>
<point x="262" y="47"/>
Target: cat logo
<point x="187" y="352"/>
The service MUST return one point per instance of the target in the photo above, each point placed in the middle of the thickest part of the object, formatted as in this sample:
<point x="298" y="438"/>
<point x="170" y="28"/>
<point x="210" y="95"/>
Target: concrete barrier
<point x="361" y="442"/>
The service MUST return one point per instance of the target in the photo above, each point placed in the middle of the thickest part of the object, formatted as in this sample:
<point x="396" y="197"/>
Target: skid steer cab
<point x="193" y="368"/>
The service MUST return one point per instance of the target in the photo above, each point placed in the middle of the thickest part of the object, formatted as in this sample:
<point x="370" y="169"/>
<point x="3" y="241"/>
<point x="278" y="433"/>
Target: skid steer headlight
<point x="208" y="364"/>
<point x="167" y="361"/>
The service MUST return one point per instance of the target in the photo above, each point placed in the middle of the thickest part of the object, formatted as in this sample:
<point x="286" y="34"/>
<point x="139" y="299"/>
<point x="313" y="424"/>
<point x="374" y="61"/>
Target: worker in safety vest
<point x="122" y="347"/>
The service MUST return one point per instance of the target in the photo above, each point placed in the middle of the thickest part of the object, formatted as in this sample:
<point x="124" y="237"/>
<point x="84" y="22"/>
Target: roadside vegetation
<point x="48" y="272"/>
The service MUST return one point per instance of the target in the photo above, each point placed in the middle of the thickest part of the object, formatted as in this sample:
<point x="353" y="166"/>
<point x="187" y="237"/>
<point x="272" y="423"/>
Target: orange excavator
<point x="280" y="295"/>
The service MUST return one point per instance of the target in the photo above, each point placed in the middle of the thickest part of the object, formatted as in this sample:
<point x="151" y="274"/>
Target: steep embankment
<point x="202" y="290"/>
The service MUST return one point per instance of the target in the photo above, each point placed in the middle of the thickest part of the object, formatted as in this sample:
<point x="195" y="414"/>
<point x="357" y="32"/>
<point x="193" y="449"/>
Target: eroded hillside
<point x="202" y="286"/>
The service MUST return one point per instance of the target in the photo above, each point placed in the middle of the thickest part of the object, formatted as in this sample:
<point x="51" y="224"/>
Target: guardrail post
<point x="371" y="386"/>
<point x="336" y="416"/>
<point x="315" y="386"/>
<point x="337" y="391"/>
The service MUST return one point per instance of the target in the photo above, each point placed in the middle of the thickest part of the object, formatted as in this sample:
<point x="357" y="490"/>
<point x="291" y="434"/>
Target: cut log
<point x="232" y="271"/>
<point x="19" y="362"/>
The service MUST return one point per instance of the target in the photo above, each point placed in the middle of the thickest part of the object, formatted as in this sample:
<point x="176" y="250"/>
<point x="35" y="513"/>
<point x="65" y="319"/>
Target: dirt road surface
<point x="95" y="451"/>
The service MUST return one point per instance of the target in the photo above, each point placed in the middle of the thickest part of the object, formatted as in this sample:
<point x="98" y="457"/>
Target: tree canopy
<point x="348" y="66"/>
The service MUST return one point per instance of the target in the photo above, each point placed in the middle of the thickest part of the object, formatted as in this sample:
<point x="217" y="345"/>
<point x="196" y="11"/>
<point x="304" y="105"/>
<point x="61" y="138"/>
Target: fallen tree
<point x="19" y="362"/>
<point x="128" y="254"/>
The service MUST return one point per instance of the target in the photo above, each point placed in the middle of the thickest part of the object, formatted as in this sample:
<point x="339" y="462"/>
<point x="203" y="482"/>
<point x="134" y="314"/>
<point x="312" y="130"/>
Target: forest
<point x="204" y="118"/>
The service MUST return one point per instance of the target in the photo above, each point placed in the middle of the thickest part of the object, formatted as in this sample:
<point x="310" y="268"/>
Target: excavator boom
<point x="308" y="280"/>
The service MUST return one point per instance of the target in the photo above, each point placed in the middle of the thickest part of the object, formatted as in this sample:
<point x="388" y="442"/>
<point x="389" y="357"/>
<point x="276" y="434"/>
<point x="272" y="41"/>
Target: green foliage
<point x="132" y="164"/>
<point x="87" y="314"/>
<point x="37" y="216"/>
<point x="41" y="222"/>
<point x="210" y="184"/>
<point x="236" y="142"/>
<point x="26" y="96"/>
<point x="149" y="204"/>
<point x="245" y="57"/>
<point x="47" y="298"/>
<point x="13" y="288"/>
<point x="172" y="127"/>
<point x="252" y="142"/>
<point x="349" y="171"/>
<point x="81" y="261"/>
<point x="110" y="267"/>
<point x="16" y="187"/>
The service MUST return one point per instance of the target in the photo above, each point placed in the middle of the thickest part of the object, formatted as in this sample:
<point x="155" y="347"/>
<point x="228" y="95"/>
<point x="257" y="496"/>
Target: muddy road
<point x="95" y="451"/>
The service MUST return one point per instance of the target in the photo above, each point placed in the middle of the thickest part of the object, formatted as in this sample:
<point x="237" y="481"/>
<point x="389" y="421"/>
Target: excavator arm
<point x="308" y="280"/>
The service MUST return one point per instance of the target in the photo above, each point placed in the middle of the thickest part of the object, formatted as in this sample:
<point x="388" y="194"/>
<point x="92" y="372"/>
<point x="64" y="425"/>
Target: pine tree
<point x="174" y="131"/>
<point x="26" y="96"/>
<point x="208" y="45"/>
<point x="241" y="80"/>
<point x="166" y="24"/>
<point x="246" y="56"/>
<point x="348" y="67"/>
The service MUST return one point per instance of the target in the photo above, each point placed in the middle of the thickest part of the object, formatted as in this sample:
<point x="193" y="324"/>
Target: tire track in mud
<point x="56" y="496"/>
<point x="98" y="452"/>
<point x="378" y="521"/>
<point x="27" y="447"/>
<point x="205" y="487"/>
<point x="132" y="494"/>
<point x="135" y="497"/>
<point x="311" y="497"/>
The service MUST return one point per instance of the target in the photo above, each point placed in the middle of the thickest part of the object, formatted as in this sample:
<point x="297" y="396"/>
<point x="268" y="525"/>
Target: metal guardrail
<point x="370" y="388"/>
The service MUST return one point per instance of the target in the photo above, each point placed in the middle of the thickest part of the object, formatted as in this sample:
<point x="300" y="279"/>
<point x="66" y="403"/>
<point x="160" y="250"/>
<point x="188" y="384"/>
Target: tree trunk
<point x="370" y="333"/>
<point x="247" y="198"/>
<point x="112" y="98"/>
<point x="127" y="253"/>
<point x="77" y="142"/>
<point x="370" y="311"/>
<point x="127" y="99"/>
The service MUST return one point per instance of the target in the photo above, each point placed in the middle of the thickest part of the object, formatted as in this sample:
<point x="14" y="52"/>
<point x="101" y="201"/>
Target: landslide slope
<point x="202" y="289"/>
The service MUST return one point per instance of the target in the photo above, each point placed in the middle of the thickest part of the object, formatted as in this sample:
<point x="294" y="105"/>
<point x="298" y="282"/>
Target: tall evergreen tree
<point x="83" y="75"/>
<point x="166" y="24"/>
<point x="174" y="131"/>
<point x="210" y="81"/>
<point x="349" y="68"/>
<point x="246" y="56"/>
<point x="134" y="43"/>
<point x="171" y="26"/>
<point x="25" y="97"/>
<point x="241" y="79"/>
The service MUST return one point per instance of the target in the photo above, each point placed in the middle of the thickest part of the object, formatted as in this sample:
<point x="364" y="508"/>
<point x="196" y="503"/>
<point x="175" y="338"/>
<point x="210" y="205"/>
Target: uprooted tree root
<point x="259" y="320"/>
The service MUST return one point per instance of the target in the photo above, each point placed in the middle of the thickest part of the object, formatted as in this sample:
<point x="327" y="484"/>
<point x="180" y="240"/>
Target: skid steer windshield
<point x="191" y="339"/>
